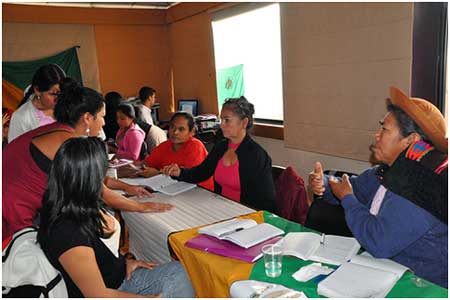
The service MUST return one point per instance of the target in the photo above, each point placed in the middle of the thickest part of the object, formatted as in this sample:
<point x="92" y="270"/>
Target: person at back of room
<point x="147" y="96"/>
<point x="242" y="169"/>
<point x="153" y="134"/>
<point x="38" y="103"/>
<point x="130" y="136"/>
<point x="81" y="239"/>
<point x="181" y="148"/>
<point x="113" y="99"/>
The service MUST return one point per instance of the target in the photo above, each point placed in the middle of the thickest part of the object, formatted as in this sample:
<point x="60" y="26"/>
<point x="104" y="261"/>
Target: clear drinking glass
<point x="273" y="255"/>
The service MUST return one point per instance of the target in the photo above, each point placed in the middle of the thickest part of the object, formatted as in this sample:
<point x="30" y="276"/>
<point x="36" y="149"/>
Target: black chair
<point x="328" y="218"/>
<point x="208" y="138"/>
<point x="276" y="171"/>
<point x="144" y="151"/>
<point x="337" y="173"/>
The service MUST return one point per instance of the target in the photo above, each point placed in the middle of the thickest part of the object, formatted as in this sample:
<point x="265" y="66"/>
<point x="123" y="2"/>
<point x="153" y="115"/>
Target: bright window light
<point x="250" y="43"/>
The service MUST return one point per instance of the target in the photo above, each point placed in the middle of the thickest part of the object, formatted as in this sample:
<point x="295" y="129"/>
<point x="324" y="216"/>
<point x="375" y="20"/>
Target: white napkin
<point x="308" y="272"/>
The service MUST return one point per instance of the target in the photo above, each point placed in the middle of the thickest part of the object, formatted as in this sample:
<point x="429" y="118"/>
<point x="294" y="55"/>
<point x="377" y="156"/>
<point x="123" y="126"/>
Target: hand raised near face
<point x="341" y="189"/>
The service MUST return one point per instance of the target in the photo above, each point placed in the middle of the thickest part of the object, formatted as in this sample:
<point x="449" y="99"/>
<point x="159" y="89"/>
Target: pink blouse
<point x="228" y="178"/>
<point x="43" y="118"/>
<point x="130" y="145"/>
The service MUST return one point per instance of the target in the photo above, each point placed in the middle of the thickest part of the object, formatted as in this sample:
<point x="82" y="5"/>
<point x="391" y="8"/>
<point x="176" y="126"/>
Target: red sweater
<point x="190" y="155"/>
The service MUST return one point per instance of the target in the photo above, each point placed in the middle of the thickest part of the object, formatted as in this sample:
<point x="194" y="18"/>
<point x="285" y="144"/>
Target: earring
<point x="88" y="131"/>
<point x="38" y="97"/>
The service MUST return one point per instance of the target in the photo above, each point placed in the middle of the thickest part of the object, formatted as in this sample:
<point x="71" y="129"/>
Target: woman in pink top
<point x="130" y="136"/>
<point x="241" y="168"/>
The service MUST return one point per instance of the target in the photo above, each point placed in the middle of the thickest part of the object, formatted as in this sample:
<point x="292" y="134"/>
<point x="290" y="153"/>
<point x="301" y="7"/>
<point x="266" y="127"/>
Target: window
<point x="247" y="50"/>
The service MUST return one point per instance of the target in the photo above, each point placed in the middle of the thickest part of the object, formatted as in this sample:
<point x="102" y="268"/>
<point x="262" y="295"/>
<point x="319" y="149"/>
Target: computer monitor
<point x="190" y="106"/>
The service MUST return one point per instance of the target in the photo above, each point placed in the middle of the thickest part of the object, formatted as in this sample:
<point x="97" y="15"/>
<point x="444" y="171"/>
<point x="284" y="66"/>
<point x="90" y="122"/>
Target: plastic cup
<point x="273" y="255"/>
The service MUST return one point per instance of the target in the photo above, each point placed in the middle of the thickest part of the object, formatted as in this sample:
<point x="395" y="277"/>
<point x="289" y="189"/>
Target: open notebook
<point x="243" y="232"/>
<point x="363" y="277"/>
<point x="330" y="249"/>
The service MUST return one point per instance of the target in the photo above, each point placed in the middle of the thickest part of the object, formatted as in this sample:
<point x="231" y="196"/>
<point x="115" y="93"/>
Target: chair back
<point x="208" y="138"/>
<point x="291" y="198"/>
<point x="144" y="152"/>
<point x="276" y="172"/>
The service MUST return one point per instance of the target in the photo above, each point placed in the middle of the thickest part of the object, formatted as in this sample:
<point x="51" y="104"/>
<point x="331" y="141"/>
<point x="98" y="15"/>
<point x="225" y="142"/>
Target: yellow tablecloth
<point x="210" y="274"/>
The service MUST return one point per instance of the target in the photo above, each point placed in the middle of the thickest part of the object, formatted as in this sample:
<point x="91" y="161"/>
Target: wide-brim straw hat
<point x="426" y="116"/>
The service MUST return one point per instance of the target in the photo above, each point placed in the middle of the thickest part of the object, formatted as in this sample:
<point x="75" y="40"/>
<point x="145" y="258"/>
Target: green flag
<point x="230" y="83"/>
<point x="20" y="73"/>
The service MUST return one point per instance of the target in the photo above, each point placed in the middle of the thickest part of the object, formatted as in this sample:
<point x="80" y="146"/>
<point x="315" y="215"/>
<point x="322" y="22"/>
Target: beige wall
<point x="303" y="161"/>
<point x="26" y="41"/>
<point x="339" y="60"/>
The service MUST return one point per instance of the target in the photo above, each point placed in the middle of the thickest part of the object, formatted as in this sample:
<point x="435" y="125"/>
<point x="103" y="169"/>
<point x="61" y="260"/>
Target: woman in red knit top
<point x="181" y="148"/>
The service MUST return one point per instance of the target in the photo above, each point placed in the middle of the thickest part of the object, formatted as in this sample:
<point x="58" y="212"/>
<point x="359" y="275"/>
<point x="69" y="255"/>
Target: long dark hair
<point x="75" y="100"/>
<point x="75" y="186"/>
<point x="43" y="79"/>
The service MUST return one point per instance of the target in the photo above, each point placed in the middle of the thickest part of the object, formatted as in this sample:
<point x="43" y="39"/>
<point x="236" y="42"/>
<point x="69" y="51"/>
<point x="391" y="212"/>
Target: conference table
<point x="148" y="232"/>
<point x="151" y="235"/>
<point x="212" y="275"/>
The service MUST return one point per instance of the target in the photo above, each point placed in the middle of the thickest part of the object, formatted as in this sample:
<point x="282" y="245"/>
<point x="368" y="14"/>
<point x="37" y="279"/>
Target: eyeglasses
<point x="53" y="94"/>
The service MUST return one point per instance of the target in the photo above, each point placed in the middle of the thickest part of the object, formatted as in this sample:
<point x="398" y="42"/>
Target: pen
<point x="322" y="239"/>
<point x="231" y="231"/>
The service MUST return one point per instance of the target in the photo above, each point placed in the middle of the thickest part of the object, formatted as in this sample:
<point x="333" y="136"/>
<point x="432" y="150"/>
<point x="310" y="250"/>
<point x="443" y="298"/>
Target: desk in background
<point x="148" y="232"/>
<point x="212" y="275"/>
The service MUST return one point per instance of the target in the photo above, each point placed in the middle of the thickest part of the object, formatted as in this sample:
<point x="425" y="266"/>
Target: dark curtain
<point x="429" y="52"/>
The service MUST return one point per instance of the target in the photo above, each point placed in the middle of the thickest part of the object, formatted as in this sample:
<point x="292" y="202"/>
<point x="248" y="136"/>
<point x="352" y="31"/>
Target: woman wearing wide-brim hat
<point x="398" y="210"/>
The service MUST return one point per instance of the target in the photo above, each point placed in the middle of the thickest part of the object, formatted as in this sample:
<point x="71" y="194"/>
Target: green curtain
<point x="230" y="83"/>
<point x="20" y="73"/>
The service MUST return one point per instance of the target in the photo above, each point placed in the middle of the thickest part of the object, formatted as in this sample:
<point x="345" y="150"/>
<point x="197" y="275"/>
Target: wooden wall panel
<point x="131" y="56"/>
<point x="189" y="9"/>
<point x="79" y="15"/>
<point x="192" y="61"/>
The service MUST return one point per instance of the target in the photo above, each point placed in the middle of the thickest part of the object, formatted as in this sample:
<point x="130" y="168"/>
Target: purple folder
<point x="225" y="248"/>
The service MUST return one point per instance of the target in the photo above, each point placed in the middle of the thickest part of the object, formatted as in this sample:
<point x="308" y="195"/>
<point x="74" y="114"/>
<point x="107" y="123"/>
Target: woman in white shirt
<point x="36" y="108"/>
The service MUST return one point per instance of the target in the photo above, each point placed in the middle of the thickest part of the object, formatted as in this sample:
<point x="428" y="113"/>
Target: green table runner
<point x="404" y="288"/>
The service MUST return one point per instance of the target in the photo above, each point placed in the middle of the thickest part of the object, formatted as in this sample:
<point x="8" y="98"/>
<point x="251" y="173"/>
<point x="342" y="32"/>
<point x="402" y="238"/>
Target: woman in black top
<point x="80" y="238"/>
<point x="242" y="169"/>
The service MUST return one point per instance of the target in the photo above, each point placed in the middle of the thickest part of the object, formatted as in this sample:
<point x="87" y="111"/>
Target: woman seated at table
<point x="27" y="160"/>
<point x="181" y="148"/>
<point x="130" y="136"/>
<point x="81" y="239"/>
<point x="242" y="169"/>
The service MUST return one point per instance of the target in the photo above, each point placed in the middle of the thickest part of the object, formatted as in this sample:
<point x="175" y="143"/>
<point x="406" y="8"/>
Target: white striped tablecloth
<point x="148" y="232"/>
